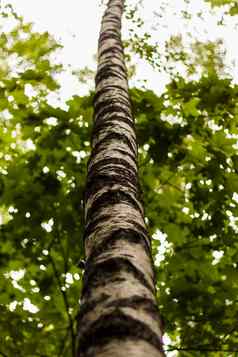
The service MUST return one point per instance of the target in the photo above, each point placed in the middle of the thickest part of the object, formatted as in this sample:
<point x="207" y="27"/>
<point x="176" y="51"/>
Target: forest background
<point x="184" y="91"/>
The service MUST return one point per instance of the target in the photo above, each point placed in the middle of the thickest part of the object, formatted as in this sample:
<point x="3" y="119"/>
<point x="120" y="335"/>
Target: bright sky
<point x="76" y="24"/>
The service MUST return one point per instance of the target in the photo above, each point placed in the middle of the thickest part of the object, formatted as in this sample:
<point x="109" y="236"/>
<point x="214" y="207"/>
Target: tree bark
<point x="118" y="313"/>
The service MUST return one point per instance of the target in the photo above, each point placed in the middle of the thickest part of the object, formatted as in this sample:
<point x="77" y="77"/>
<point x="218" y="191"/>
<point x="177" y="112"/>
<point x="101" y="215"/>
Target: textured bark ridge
<point x="118" y="314"/>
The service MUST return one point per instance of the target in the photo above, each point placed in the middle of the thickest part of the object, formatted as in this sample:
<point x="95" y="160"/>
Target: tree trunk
<point x="118" y="313"/>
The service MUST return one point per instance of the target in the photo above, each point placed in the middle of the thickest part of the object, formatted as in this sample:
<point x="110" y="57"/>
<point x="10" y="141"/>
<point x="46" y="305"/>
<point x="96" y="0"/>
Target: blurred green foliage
<point x="188" y="164"/>
<point x="231" y="4"/>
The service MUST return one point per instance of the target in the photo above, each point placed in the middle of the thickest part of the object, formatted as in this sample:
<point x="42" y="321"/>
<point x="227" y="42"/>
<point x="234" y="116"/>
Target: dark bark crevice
<point x="114" y="136"/>
<point x="118" y="295"/>
<point x="119" y="326"/>
<point x="112" y="108"/>
<point x="136" y="302"/>
<point x="111" y="118"/>
<point x="115" y="103"/>
<point x="122" y="91"/>
<point x="111" y="197"/>
<point x="110" y="169"/>
<point x="118" y="176"/>
<point x="106" y="68"/>
<point x="99" y="219"/>
<point x="112" y="50"/>
<point x="108" y="182"/>
<point x="121" y="234"/>
<point x="101" y="146"/>
<point x="101" y="274"/>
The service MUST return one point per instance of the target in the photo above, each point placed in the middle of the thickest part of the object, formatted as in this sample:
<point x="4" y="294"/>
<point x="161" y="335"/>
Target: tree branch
<point x="64" y="342"/>
<point x="67" y="307"/>
<point x="2" y="354"/>
<point x="199" y="349"/>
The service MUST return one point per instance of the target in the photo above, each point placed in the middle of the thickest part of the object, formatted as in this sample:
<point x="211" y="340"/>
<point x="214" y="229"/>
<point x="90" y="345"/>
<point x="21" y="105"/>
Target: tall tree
<point x="118" y="307"/>
<point x="188" y="167"/>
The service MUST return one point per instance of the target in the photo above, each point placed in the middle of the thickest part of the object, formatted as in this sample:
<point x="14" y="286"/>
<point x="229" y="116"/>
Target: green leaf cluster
<point x="188" y="166"/>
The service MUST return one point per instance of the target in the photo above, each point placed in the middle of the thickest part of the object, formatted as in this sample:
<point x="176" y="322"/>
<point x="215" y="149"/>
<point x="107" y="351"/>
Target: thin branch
<point x="166" y="182"/>
<point x="65" y="255"/>
<point x="190" y="245"/>
<point x="64" y="343"/>
<point x="228" y="334"/>
<point x="174" y="186"/>
<point x="145" y="162"/>
<point x="66" y="303"/>
<point x="200" y="349"/>
<point x="51" y="243"/>
<point x="2" y="354"/>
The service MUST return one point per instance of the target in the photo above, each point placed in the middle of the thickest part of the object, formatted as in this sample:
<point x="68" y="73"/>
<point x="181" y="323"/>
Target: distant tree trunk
<point x="118" y="314"/>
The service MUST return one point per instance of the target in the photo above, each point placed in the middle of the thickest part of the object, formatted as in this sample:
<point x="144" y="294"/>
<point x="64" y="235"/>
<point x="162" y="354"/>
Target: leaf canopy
<point x="188" y="164"/>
